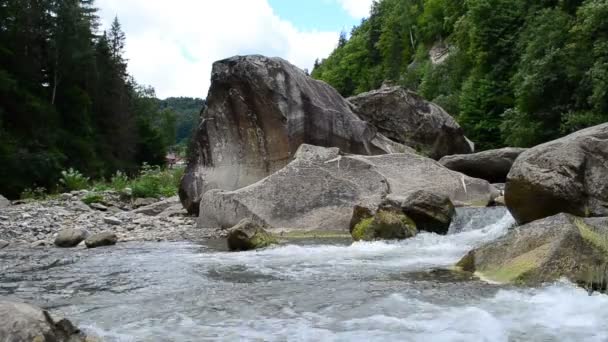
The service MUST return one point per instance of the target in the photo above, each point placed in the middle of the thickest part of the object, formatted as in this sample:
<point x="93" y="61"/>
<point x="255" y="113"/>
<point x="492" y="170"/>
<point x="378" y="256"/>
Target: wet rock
<point x="566" y="175"/>
<point x="492" y="165"/>
<point x="247" y="235"/>
<point x="111" y="220"/>
<point x="98" y="206"/>
<point x="101" y="240"/>
<point x="24" y="322"/>
<point x="4" y="244"/>
<point x="4" y="202"/>
<point x="259" y="111"/>
<point x="431" y="212"/>
<point x="500" y="201"/>
<point x="407" y="118"/>
<point x="318" y="190"/>
<point x="545" y="251"/>
<point x="386" y="224"/>
<point x="360" y="213"/>
<point x="158" y="207"/>
<point x="68" y="238"/>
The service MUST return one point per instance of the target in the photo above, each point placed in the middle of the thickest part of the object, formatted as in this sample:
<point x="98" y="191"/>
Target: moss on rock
<point x="385" y="225"/>
<point x="248" y="235"/>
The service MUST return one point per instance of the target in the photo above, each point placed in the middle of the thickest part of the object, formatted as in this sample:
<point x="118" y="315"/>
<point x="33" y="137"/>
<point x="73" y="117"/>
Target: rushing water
<point x="332" y="292"/>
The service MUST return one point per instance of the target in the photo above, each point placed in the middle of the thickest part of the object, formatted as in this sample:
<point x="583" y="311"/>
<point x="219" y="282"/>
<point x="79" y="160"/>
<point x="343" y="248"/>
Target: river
<point x="303" y="291"/>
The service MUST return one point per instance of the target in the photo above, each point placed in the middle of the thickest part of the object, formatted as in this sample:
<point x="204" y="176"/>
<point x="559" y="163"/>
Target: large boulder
<point x="320" y="187"/>
<point x="405" y="117"/>
<point x="432" y="212"/>
<point x="492" y="165"/>
<point x="248" y="235"/>
<point x="70" y="237"/>
<point x="259" y="111"/>
<point x="23" y="322"/>
<point x="566" y="175"/>
<point x="545" y="251"/>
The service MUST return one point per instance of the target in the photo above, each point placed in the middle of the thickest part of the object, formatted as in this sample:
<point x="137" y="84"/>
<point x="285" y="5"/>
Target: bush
<point x="93" y="198"/>
<point x="38" y="193"/>
<point x="73" y="180"/>
<point x="154" y="182"/>
<point x="119" y="181"/>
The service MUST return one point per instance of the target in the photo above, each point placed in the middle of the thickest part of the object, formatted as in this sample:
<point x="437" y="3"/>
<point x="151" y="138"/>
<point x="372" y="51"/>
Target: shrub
<point x="38" y="193"/>
<point x="93" y="198"/>
<point x="119" y="181"/>
<point x="154" y="182"/>
<point x="72" y="179"/>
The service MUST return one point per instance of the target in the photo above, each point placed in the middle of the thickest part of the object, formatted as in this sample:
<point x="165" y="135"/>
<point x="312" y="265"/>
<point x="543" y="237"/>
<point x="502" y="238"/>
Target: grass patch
<point x="93" y="198"/>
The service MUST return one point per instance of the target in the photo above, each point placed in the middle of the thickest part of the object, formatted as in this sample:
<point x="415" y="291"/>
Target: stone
<point x="247" y="235"/>
<point x="111" y="220"/>
<point x="259" y="111"/>
<point x="4" y="203"/>
<point x="101" y="240"/>
<point x="142" y="202"/>
<point x="320" y="187"/>
<point x="157" y="208"/>
<point x="360" y="213"/>
<point x="40" y="243"/>
<point x="544" y="251"/>
<point x="430" y="211"/>
<point x="24" y="322"/>
<point x="492" y="165"/>
<point x="385" y="225"/>
<point x="405" y="117"/>
<point x="565" y="175"/>
<point x="70" y="237"/>
<point x="98" y="206"/>
<point x="4" y="244"/>
<point x="500" y="201"/>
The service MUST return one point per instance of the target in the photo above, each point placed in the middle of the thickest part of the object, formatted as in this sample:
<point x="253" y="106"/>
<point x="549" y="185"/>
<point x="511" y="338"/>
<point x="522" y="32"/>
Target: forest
<point x="67" y="100"/>
<point x="512" y="72"/>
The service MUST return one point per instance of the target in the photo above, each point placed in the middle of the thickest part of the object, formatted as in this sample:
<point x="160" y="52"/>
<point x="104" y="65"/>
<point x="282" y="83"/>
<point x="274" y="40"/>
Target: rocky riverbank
<point x="37" y="223"/>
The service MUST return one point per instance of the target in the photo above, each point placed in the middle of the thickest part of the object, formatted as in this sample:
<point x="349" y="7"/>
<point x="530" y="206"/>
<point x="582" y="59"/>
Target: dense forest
<point x="67" y="101"/>
<point x="513" y="72"/>
<point x="187" y="111"/>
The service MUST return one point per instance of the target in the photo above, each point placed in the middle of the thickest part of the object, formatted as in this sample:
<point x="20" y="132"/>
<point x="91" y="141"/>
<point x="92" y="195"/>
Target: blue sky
<point x="171" y="45"/>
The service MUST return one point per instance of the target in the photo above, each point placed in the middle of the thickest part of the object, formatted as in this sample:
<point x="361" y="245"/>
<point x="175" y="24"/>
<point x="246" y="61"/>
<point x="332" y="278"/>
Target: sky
<point x="171" y="45"/>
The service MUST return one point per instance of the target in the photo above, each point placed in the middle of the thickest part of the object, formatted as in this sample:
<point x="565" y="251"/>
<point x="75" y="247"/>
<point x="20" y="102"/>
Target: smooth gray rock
<point x="248" y="235"/>
<point x="70" y="237"/>
<point x="432" y="212"/>
<point x="158" y="207"/>
<point x="143" y="202"/>
<point x="101" y="240"/>
<point x="492" y="165"/>
<point x="111" y="220"/>
<point x="405" y="117"/>
<point x="20" y="322"/>
<point x="319" y="189"/>
<point x="99" y="206"/>
<point x="4" y="202"/>
<point x="259" y="111"/>
<point x="566" y="175"/>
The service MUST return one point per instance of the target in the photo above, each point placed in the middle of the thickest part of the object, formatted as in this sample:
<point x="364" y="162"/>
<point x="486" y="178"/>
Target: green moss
<point x="363" y="230"/>
<point x="262" y="239"/>
<point x="386" y="225"/>
<point x="314" y="234"/>
<point x="467" y="263"/>
<point x="589" y="234"/>
<point x="93" y="198"/>
<point x="516" y="270"/>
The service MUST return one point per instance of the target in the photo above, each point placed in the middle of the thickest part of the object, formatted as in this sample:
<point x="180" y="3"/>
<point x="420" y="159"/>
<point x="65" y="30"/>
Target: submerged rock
<point x="101" y="240"/>
<point x="70" y="237"/>
<point x="318" y="190"/>
<point x="24" y="322"/>
<point x="248" y="235"/>
<point x="386" y="224"/>
<point x="431" y="212"/>
<point x="492" y="165"/>
<point x="407" y="118"/>
<point x="259" y="111"/>
<point x="544" y="251"/>
<point x="566" y="175"/>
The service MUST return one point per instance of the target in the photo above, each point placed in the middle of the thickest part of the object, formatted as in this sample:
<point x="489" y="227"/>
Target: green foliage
<point x="154" y="182"/>
<point x="38" y="193"/>
<point x="73" y="180"/>
<point x="93" y="198"/>
<point x="518" y="72"/>
<point x="119" y="181"/>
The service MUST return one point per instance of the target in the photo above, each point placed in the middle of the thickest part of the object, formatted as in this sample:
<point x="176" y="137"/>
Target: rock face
<point x="493" y="165"/>
<point x="101" y="240"/>
<point x="259" y="111"/>
<point x="68" y="238"/>
<point x="24" y="322"/>
<point x="407" y="118"/>
<point x="566" y="175"/>
<point x="430" y="211"/>
<point x="544" y="251"/>
<point x="320" y="187"/>
<point x="4" y="202"/>
<point x="386" y="224"/>
<point x="247" y="236"/>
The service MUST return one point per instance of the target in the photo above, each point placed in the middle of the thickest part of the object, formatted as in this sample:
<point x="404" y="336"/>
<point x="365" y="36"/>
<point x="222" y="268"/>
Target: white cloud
<point x="171" y="45"/>
<point x="356" y="8"/>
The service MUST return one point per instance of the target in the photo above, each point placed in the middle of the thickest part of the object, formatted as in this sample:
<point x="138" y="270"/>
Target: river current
<point x="303" y="291"/>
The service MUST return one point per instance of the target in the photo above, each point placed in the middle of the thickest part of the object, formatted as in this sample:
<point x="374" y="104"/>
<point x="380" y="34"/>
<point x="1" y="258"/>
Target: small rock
<point x="99" y="206"/>
<point x="112" y="220"/>
<point x="69" y="237"/>
<point x="385" y="225"/>
<point x="142" y="202"/>
<point x="4" y="218"/>
<point x="66" y="197"/>
<point x="101" y="239"/>
<point x="4" y="202"/>
<point x="41" y="243"/>
<point x="26" y="216"/>
<point x="3" y="244"/>
<point x="500" y="202"/>
<point x="248" y="235"/>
